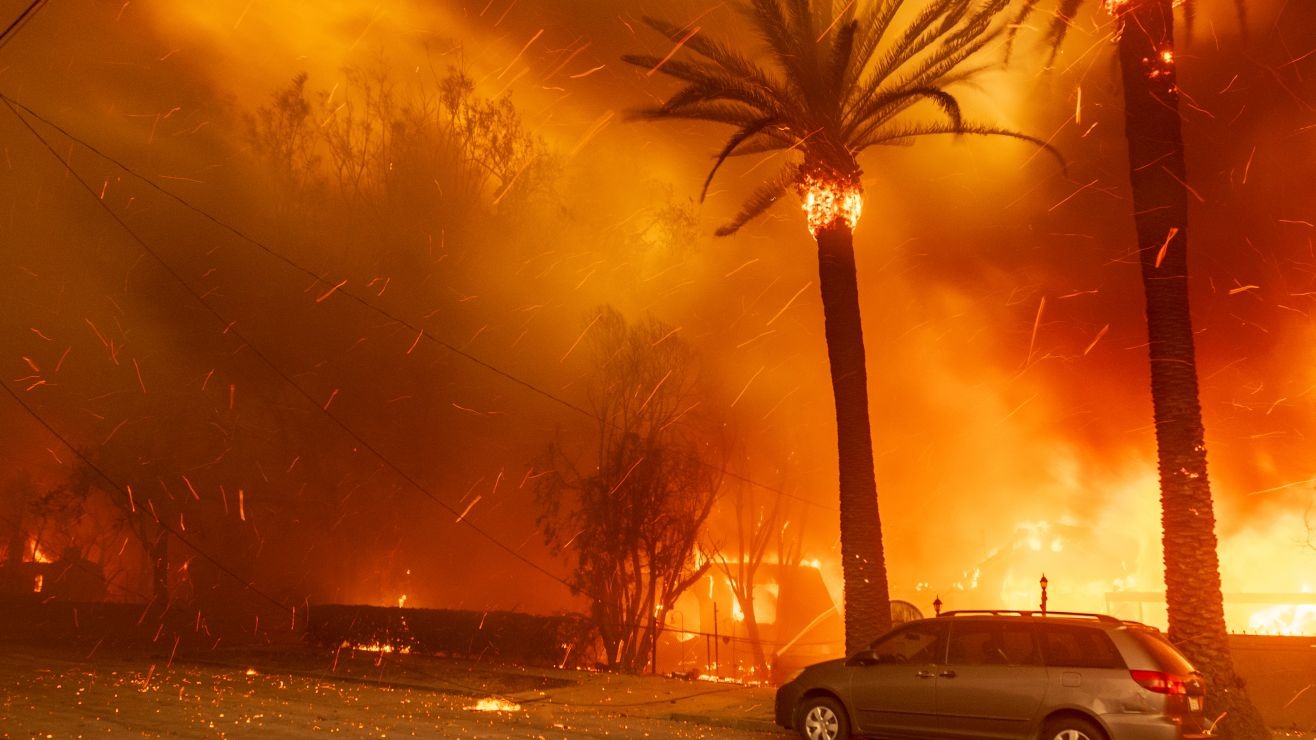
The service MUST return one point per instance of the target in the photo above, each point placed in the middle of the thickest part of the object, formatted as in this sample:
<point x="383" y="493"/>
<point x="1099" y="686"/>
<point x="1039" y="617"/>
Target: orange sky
<point x="1002" y="307"/>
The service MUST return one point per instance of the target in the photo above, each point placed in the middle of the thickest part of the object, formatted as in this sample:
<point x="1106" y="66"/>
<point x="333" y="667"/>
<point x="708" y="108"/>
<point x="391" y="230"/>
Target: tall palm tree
<point x="834" y="82"/>
<point x="1193" y="597"/>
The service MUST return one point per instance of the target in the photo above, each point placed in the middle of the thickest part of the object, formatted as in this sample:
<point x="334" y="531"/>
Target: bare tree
<point x="283" y="134"/>
<point x="630" y="518"/>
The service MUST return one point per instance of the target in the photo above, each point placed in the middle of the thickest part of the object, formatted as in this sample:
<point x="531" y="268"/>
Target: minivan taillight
<point x="1161" y="683"/>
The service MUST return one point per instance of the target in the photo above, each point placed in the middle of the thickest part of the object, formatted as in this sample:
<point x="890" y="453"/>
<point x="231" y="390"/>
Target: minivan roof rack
<point x="1027" y="613"/>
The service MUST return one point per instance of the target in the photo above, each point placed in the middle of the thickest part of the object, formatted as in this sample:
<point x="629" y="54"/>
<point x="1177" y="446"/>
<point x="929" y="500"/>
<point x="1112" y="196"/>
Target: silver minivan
<point x="1003" y="674"/>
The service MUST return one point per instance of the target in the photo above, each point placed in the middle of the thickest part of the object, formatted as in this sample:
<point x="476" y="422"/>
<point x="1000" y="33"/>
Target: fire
<point x="828" y="200"/>
<point x="35" y="552"/>
<point x="377" y="647"/>
<point x="495" y="705"/>
<point x="1286" y="619"/>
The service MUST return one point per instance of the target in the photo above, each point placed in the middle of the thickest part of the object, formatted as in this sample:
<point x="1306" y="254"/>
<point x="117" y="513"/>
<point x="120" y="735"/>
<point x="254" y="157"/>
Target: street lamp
<point x="1043" y="583"/>
<point x="936" y="606"/>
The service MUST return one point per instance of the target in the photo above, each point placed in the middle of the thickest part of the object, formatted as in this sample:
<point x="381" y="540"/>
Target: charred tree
<point x="628" y="513"/>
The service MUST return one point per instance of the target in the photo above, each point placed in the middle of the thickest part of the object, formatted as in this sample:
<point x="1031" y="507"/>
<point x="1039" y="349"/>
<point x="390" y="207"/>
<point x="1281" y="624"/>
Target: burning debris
<point x="494" y="704"/>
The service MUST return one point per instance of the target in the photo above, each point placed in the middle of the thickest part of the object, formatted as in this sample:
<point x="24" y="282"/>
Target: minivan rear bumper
<point x="1149" y="727"/>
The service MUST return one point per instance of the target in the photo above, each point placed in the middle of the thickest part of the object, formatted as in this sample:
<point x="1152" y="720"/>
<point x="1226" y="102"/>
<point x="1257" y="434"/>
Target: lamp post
<point x="1043" y="583"/>
<point x="936" y="606"/>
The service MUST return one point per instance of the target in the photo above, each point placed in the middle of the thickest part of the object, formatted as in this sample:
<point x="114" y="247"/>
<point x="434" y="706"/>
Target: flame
<point x="1122" y="575"/>
<point x="1285" y="619"/>
<point x="377" y="647"/>
<point x="828" y="200"/>
<point x="495" y="705"/>
<point x="36" y="554"/>
<point x="402" y="601"/>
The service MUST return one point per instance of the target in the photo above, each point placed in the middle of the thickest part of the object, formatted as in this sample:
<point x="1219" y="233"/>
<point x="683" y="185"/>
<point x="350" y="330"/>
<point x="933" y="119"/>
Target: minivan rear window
<point x="1078" y="647"/>
<point x="1166" y="655"/>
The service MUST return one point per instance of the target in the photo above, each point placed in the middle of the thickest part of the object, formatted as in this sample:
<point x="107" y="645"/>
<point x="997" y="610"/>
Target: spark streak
<point x="331" y="291"/>
<point x="684" y="40"/>
<point x="1165" y="247"/>
<point x="789" y="303"/>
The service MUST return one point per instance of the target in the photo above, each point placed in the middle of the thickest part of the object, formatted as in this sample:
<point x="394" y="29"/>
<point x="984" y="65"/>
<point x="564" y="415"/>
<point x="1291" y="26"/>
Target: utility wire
<point x="420" y="332"/>
<point x="17" y="25"/>
<point x="224" y="322"/>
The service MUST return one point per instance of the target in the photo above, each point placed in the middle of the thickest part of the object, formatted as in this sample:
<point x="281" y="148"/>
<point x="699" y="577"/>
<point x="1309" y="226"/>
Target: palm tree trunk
<point x="867" y="603"/>
<point x="1193" y="596"/>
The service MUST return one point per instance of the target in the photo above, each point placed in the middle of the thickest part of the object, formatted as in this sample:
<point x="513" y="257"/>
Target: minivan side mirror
<point x="864" y="657"/>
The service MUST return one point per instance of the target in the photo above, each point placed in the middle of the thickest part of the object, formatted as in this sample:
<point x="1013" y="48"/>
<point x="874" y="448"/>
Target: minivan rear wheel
<point x="1071" y="728"/>
<point x="823" y="718"/>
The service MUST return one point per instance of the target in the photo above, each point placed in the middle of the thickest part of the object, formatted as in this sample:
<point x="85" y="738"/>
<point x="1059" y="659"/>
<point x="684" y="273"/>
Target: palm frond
<point x="842" y="56"/>
<point x="831" y="82"/>
<point x="731" y="113"/>
<point x="873" y="25"/>
<point x="882" y="108"/>
<point x="1056" y="32"/>
<point x="768" y="18"/>
<point x="762" y="199"/>
<point x="740" y="137"/>
<point x="922" y="31"/>
<point x="724" y="56"/>
<point x="907" y="133"/>
<point x="768" y="140"/>
<point x="1026" y="9"/>
<point x="708" y="82"/>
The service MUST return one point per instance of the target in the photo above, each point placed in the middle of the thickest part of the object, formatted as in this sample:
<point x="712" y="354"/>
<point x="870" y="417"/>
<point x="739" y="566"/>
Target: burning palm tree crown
<point x="839" y="83"/>
<point x="835" y="82"/>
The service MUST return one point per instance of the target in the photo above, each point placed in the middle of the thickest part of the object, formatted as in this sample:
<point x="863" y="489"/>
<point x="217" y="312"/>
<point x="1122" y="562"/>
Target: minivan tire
<point x="823" y="718"/>
<point x="1071" y="728"/>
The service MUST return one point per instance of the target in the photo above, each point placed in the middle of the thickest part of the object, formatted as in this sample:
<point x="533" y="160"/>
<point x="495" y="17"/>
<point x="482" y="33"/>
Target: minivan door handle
<point x="947" y="674"/>
<point x="925" y="674"/>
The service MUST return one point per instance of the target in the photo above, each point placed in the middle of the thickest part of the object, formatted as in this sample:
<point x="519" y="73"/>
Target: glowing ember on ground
<point x="495" y="705"/>
<point x="829" y="200"/>
<point x="378" y="647"/>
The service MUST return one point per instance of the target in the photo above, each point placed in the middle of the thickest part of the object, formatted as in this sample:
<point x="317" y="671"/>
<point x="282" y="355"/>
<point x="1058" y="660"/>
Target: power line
<point x="343" y="290"/>
<point x="229" y="328"/>
<point x="17" y="25"/>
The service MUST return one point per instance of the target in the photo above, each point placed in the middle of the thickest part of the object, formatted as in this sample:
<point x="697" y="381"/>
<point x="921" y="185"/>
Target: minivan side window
<point x="921" y="642"/>
<point x="991" y="643"/>
<point x="1078" y="647"/>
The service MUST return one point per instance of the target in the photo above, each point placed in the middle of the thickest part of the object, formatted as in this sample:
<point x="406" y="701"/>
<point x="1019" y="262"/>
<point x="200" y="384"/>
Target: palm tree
<point x="1194" y="602"/>
<point x="833" y="83"/>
